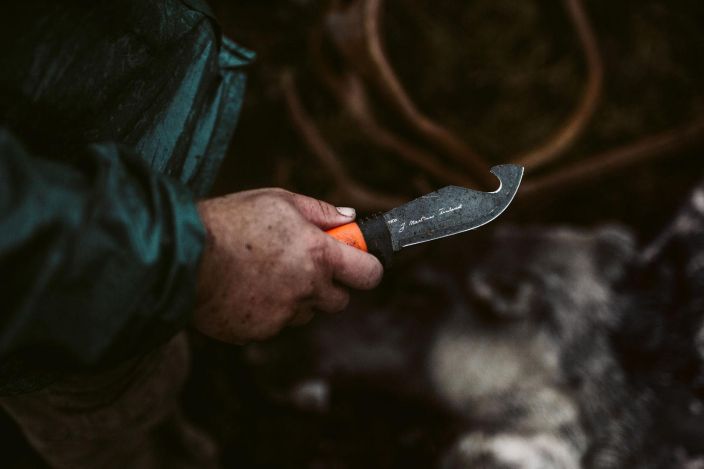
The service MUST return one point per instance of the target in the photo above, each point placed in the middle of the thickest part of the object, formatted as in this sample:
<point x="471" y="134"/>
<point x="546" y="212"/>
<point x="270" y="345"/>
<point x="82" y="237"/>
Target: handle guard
<point x="370" y="235"/>
<point x="351" y="235"/>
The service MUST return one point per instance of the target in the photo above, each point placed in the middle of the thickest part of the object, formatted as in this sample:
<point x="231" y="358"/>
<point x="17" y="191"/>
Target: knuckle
<point x="374" y="275"/>
<point x="334" y="300"/>
<point x="302" y="283"/>
<point x="319" y="252"/>
<point x="303" y="315"/>
<point x="281" y="192"/>
<point x="284" y="197"/>
<point x="276" y="323"/>
<point x="343" y="302"/>
<point x="276" y="197"/>
<point x="276" y="200"/>
<point x="307" y="290"/>
<point x="308" y="267"/>
<point x="276" y="192"/>
<point x="263" y="332"/>
<point x="285" y="318"/>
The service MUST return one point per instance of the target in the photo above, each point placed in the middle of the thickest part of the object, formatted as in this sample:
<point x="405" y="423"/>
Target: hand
<point x="268" y="264"/>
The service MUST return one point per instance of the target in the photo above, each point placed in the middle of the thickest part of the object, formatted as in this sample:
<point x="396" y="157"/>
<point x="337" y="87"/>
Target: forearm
<point x="98" y="260"/>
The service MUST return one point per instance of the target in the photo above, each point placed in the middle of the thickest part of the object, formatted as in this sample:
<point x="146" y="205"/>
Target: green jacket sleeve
<point x="98" y="259"/>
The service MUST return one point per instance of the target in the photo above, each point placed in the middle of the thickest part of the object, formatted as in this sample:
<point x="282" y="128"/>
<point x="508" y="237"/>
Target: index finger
<point x="353" y="267"/>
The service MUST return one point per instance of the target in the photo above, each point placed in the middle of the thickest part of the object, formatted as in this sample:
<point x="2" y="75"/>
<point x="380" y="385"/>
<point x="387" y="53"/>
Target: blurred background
<point x="507" y="79"/>
<point x="531" y="344"/>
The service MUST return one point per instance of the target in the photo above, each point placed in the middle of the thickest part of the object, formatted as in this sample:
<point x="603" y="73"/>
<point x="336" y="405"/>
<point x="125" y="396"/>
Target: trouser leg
<point x="127" y="417"/>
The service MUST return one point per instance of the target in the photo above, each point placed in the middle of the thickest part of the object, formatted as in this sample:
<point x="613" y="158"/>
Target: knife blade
<point x="446" y="212"/>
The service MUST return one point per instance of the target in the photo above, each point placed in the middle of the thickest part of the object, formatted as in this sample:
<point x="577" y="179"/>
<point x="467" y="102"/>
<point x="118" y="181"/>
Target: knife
<point x="446" y="212"/>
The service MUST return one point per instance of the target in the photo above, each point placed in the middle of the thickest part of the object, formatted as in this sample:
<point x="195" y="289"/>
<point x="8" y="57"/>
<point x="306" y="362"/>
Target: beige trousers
<point x="127" y="417"/>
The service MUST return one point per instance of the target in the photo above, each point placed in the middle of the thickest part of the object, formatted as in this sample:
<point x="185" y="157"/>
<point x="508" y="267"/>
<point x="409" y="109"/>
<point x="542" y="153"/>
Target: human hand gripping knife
<point x="446" y="212"/>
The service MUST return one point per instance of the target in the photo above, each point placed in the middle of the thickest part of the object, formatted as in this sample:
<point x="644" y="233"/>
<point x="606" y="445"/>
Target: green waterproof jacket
<point x="114" y="115"/>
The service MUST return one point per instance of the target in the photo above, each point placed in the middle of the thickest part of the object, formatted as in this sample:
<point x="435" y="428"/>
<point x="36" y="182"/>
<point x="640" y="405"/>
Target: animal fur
<point x="557" y="348"/>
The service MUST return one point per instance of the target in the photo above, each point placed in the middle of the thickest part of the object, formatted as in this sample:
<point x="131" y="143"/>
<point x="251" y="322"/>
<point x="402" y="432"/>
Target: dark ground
<point x="502" y="74"/>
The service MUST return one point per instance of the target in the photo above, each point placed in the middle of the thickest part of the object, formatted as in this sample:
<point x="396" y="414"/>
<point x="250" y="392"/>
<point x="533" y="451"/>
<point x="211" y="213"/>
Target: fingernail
<point x="348" y="212"/>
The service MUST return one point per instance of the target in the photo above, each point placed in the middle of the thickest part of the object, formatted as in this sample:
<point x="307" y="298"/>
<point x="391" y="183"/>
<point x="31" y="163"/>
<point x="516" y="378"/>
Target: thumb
<point x="322" y="214"/>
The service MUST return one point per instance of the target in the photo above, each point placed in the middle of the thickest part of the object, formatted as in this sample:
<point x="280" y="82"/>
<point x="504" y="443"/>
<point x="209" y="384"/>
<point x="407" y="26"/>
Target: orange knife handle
<point x="351" y="235"/>
<point x="369" y="235"/>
